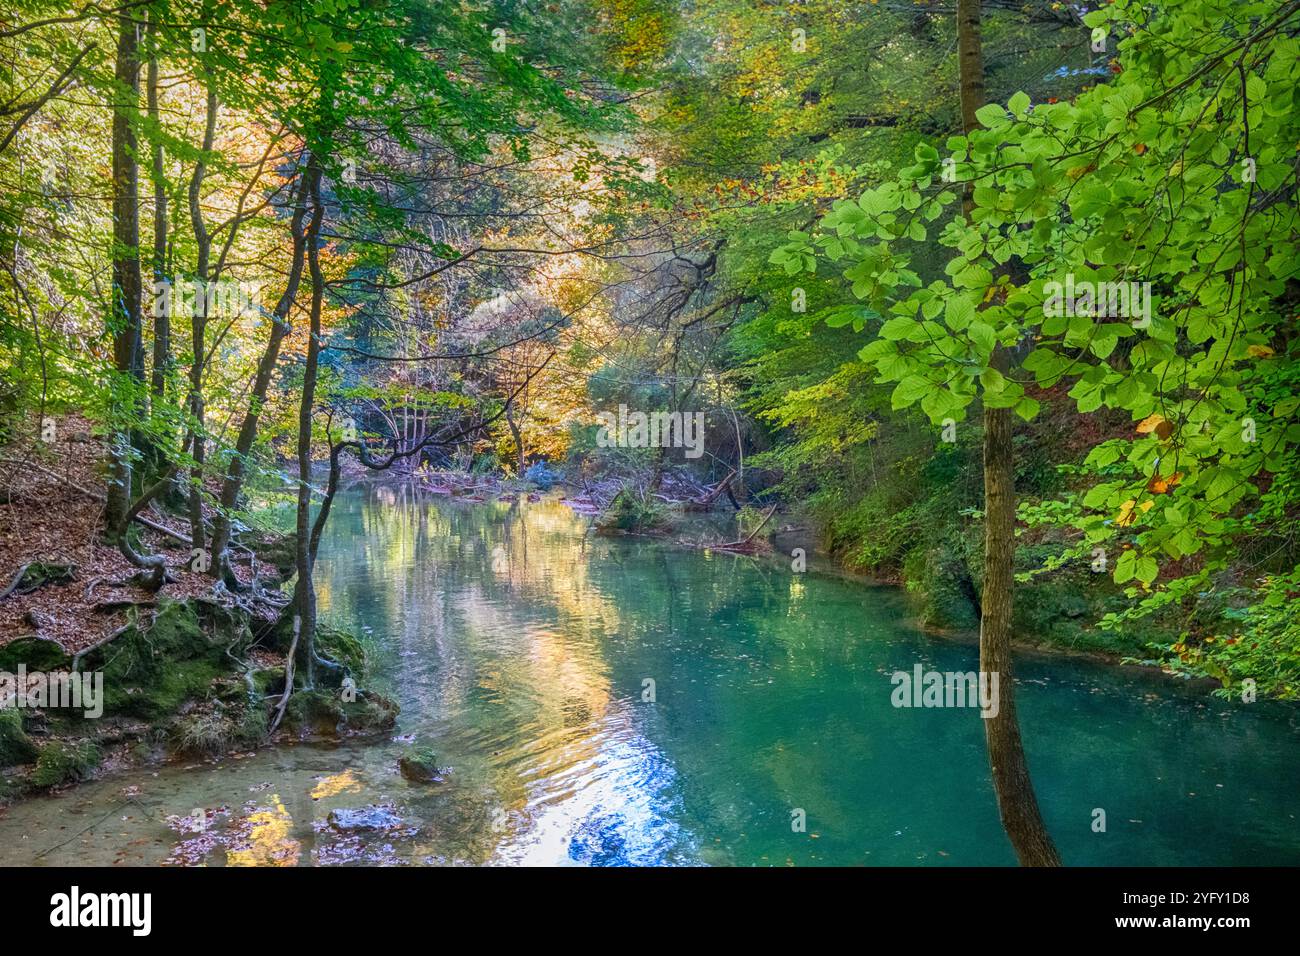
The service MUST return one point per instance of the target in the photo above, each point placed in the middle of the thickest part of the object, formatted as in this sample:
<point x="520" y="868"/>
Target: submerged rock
<point x="364" y="818"/>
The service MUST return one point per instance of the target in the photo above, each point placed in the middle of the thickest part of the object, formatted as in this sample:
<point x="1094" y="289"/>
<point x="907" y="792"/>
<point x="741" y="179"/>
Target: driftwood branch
<point x="744" y="543"/>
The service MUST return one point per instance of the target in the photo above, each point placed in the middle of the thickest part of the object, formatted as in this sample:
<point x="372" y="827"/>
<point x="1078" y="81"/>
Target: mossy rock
<point x="35" y="653"/>
<point x="60" y="763"/>
<point x="325" y="712"/>
<point x="268" y="681"/>
<point x="629" y="514"/>
<point x="1061" y="608"/>
<point x="15" y="746"/>
<point x="344" y="647"/>
<point x="938" y="580"/>
<point x="40" y="573"/>
<point x="151" y="672"/>
<point x="280" y="551"/>
<point x="420" y="765"/>
<point x="332" y="643"/>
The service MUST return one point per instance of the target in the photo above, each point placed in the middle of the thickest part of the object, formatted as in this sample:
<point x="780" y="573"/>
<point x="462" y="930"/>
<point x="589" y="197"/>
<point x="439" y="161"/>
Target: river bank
<point x="100" y="673"/>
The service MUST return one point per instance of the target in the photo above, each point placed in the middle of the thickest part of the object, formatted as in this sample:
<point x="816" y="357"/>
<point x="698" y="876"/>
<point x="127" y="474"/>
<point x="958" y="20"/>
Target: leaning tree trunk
<point x="126" y="305"/>
<point x="1011" y="782"/>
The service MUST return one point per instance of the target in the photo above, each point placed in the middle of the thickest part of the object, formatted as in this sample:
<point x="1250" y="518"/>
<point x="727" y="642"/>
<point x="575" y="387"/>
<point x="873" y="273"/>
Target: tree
<point x="1139" y="181"/>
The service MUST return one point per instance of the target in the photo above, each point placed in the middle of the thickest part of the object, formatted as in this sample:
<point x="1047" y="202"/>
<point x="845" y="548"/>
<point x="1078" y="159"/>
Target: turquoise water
<point x="519" y="647"/>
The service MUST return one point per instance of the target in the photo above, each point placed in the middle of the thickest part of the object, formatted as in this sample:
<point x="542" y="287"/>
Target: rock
<point x="15" y="746"/>
<point x="35" y="653"/>
<point x="40" y="573"/>
<point x="324" y="713"/>
<point x="364" y="818"/>
<point x="420" y="766"/>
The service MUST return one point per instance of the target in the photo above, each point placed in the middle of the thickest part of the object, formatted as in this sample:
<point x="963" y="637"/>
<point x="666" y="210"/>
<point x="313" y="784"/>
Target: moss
<point x="35" y="653"/>
<point x="252" y="726"/>
<point x="151" y="672"/>
<point x="420" y="764"/>
<point x="627" y="512"/>
<point x="326" y="712"/>
<point x="1061" y="608"/>
<point x="15" y="746"/>
<point x="61" y="763"/>
<point x="343" y="647"/>
<point x="268" y="680"/>
<point x="279" y="551"/>
<point x="40" y="573"/>
<point x="941" y="584"/>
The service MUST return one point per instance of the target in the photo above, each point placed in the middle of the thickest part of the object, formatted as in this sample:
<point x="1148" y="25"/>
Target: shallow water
<point x="519" y="647"/>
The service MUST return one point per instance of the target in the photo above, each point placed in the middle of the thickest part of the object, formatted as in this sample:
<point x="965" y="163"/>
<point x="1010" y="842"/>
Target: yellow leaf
<point x="1160" y="485"/>
<point x="1126" y="515"/>
<point x="1148" y="424"/>
<point x="1259" y="351"/>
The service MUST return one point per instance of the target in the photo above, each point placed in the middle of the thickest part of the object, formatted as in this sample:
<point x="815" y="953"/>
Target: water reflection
<point x="519" y="644"/>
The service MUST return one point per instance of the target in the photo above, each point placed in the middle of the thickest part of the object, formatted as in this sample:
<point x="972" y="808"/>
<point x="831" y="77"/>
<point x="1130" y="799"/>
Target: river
<point x="602" y="700"/>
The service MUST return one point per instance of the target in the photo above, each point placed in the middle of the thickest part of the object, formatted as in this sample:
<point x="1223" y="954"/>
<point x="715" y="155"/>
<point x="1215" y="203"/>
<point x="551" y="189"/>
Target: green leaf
<point x="909" y="390"/>
<point x="991" y="115"/>
<point x="1027" y="408"/>
<point x="981" y="333"/>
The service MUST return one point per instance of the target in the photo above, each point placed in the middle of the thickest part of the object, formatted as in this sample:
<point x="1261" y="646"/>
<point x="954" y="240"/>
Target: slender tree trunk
<point x="236" y="470"/>
<point x="128" y="356"/>
<point x="518" y="436"/>
<point x="1017" y="804"/>
<point x="162" y="317"/>
<point x="970" y="66"/>
<point x="198" y="324"/>
<point x="305" y="590"/>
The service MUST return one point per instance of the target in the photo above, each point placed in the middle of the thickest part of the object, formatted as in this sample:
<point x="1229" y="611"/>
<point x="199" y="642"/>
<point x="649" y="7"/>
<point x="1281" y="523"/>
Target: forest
<point x="435" y="391"/>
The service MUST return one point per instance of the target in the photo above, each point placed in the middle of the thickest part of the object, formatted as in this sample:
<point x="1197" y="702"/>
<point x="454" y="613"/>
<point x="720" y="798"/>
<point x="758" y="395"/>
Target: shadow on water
<point x="524" y="650"/>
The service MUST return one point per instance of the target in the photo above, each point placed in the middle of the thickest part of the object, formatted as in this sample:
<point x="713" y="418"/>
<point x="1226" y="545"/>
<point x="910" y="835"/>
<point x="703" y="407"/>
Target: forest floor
<point x="51" y="511"/>
<point x="190" y="670"/>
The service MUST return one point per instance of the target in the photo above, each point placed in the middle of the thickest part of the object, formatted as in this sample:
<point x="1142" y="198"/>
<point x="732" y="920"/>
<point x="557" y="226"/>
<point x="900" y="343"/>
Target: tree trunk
<point x="235" y="471"/>
<point x="970" y="66"/>
<point x="199" y="322"/>
<point x="128" y="356"/>
<point x="1017" y="804"/>
<point x="519" y="441"/>
<point x="1011" y="782"/>
<point x="304" y="589"/>
<point x="162" y="317"/>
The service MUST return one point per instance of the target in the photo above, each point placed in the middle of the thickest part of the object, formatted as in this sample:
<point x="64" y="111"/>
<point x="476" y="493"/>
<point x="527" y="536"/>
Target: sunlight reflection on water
<point x="519" y="645"/>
